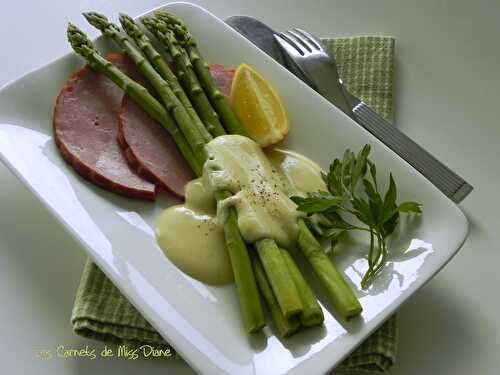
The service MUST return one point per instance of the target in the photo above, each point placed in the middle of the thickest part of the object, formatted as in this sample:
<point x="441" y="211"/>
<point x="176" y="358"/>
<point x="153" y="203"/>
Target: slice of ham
<point x="223" y="77"/>
<point x="85" y="130"/>
<point x="151" y="151"/>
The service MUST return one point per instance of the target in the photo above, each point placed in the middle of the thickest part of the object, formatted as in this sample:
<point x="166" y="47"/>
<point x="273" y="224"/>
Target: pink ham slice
<point x="148" y="147"/>
<point x="85" y="130"/>
<point x="223" y="77"/>
<point x="151" y="151"/>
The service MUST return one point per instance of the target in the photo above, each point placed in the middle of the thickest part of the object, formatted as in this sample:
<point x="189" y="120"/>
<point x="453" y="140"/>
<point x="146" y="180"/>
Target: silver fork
<point x="307" y="57"/>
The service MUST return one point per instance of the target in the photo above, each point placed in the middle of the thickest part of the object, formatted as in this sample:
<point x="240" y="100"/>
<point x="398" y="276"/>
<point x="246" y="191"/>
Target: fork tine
<point x="288" y="45"/>
<point x="306" y="46"/>
<point x="311" y="38"/>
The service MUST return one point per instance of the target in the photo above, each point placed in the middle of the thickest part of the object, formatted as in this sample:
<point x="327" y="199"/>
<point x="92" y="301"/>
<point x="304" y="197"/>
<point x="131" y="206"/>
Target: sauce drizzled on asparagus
<point x="261" y="185"/>
<point x="177" y="118"/>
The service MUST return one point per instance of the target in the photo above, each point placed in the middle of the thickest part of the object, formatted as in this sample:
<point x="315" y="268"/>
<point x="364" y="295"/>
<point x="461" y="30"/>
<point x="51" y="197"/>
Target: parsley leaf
<point x="345" y="195"/>
<point x="317" y="202"/>
<point x="408" y="207"/>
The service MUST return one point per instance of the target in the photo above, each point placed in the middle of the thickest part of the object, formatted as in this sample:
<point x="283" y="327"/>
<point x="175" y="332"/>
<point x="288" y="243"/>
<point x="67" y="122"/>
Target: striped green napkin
<point x="102" y="313"/>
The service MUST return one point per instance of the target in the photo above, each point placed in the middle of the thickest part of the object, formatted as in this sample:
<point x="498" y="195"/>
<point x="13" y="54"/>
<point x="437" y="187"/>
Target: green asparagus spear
<point x="161" y="66"/>
<point x="253" y="314"/>
<point x="228" y="117"/>
<point x="82" y="45"/>
<point x="339" y="292"/>
<point x="171" y="102"/>
<point x="187" y="76"/>
<point x="245" y="281"/>
<point x="155" y="109"/>
<point x="186" y="40"/>
<point x="279" y="277"/>
<point x="275" y="268"/>
<point x="312" y="314"/>
<point x="247" y="290"/>
<point x="285" y="326"/>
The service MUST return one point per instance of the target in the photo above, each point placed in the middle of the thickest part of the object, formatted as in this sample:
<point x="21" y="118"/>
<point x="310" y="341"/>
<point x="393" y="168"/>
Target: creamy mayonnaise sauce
<point x="301" y="174"/>
<point x="191" y="235"/>
<point x="194" y="242"/>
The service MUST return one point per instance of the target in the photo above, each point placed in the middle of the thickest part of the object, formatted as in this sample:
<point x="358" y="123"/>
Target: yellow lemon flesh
<point x="258" y="107"/>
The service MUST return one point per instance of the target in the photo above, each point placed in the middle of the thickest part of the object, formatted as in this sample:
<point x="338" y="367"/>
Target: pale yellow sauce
<point x="191" y="235"/>
<point x="194" y="242"/>
<point x="301" y="174"/>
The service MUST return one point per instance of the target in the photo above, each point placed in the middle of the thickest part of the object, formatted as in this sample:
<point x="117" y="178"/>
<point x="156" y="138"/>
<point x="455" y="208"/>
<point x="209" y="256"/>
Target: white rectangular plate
<point x="203" y="322"/>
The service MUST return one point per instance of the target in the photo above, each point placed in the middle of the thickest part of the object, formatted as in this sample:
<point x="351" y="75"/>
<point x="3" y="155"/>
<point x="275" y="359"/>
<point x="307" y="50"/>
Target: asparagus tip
<point x="169" y="18"/>
<point x="168" y="23"/>
<point x="127" y="23"/>
<point x="150" y="23"/>
<point x="72" y="28"/>
<point x="99" y="21"/>
<point x="79" y="41"/>
<point x="125" y="19"/>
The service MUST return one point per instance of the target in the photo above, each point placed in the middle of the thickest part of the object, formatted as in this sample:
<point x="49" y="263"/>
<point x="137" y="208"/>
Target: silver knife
<point x="452" y="185"/>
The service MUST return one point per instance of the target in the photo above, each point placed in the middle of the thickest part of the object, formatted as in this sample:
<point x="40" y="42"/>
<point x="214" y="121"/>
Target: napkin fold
<point x="102" y="313"/>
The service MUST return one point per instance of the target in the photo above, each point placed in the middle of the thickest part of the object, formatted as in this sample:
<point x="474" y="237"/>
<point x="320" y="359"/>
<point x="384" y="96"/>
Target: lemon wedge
<point x="258" y="107"/>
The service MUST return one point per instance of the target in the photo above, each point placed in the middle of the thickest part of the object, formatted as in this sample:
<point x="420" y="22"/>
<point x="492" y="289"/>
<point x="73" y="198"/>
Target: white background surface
<point x="447" y="93"/>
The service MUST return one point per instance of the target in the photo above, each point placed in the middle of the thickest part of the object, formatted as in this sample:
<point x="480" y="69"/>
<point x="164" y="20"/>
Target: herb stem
<point x="380" y="213"/>
<point x="370" y="252"/>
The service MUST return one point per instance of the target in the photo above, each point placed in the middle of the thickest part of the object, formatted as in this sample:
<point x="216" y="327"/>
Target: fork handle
<point x="451" y="184"/>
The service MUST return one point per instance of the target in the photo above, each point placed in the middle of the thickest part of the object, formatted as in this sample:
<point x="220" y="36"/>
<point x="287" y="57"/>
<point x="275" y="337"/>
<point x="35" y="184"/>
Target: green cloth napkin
<point x="102" y="313"/>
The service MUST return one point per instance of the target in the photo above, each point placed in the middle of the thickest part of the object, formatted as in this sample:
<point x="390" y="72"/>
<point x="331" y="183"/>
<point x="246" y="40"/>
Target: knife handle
<point x="451" y="184"/>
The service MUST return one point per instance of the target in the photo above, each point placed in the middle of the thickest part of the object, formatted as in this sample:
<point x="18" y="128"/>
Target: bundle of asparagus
<point x="190" y="111"/>
<point x="174" y="26"/>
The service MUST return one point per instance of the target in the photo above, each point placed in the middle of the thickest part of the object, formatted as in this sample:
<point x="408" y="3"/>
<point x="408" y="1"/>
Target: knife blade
<point x="452" y="185"/>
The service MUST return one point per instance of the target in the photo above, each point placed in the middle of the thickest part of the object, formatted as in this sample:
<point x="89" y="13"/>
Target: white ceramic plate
<point x="203" y="322"/>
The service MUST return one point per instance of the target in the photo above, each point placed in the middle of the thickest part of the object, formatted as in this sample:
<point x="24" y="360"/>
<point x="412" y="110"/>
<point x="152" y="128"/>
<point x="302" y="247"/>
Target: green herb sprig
<point x="351" y="191"/>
